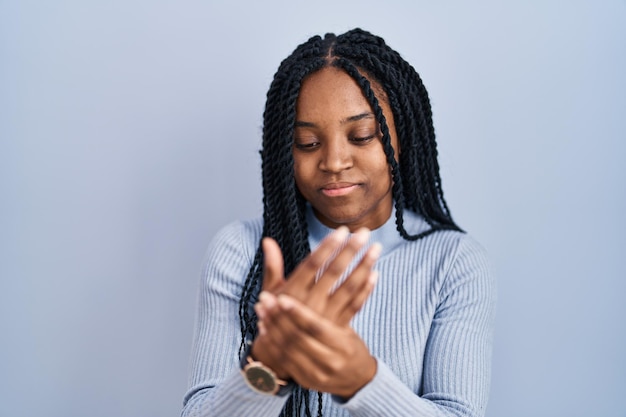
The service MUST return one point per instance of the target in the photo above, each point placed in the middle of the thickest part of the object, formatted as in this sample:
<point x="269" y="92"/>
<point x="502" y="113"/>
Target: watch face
<point x="260" y="379"/>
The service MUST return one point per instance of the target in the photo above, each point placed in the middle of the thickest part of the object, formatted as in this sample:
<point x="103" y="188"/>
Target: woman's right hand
<point x="313" y="281"/>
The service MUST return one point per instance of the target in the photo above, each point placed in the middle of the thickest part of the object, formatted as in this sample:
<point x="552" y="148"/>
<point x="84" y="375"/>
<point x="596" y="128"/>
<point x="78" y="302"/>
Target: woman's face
<point x="339" y="162"/>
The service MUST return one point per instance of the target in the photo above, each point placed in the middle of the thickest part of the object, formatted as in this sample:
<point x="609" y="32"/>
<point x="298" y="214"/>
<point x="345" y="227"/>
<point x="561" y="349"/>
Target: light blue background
<point x="129" y="133"/>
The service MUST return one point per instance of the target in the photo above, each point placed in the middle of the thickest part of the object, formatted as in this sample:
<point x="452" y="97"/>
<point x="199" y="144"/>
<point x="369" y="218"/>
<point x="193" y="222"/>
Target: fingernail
<point x="361" y="236"/>
<point x="260" y="311"/>
<point x="373" y="277"/>
<point x="267" y="299"/>
<point x="341" y="233"/>
<point x="375" y="250"/>
<point x="261" y="327"/>
<point x="285" y="302"/>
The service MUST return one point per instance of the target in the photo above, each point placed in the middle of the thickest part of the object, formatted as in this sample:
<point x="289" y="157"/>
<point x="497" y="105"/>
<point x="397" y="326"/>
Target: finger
<point x="307" y="368"/>
<point x="282" y="340"/>
<point x="304" y="274"/>
<point x="353" y="291"/>
<point x="338" y="265"/>
<point x="266" y="351"/>
<point x="354" y="306"/>
<point x="291" y="359"/>
<point x="269" y="345"/>
<point x="304" y="355"/>
<point x="320" y="354"/>
<point x="273" y="265"/>
<point x="266" y="305"/>
<point x="303" y="322"/>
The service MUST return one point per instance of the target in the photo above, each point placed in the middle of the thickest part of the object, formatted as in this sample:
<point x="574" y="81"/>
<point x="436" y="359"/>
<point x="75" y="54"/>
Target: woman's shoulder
<point x="239" y="236"/>
<point x="455" y="247"/>
<point x="459" y="240"/>
<point x="448" y="243"/>
<point x="462" y="261"/>
<point x="243" y="228"/>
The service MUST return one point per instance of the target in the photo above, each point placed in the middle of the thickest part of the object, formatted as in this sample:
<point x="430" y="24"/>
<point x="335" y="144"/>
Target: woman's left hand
<point x="316" y="352"/>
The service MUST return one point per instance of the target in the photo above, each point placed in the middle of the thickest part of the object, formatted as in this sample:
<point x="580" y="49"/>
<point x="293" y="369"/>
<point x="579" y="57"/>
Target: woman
<point x="348" y="148"/>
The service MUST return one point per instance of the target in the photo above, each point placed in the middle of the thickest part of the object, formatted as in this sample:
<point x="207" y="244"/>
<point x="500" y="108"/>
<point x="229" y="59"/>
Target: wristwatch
<point x="261" y="378"/>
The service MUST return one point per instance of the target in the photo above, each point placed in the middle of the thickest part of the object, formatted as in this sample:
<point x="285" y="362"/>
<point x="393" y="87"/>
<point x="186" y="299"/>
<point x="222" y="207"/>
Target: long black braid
<point x="416" y="179"/>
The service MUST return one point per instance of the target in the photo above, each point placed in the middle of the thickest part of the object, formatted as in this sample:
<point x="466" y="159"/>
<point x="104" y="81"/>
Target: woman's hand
<point x="314" y="351"/>
<point x="304" y="320"/>
<point x="312" y="281"/>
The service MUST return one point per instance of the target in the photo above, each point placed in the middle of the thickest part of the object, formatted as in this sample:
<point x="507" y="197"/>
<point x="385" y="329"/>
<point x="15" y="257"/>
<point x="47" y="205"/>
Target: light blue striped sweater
<point x="429" y="322"/>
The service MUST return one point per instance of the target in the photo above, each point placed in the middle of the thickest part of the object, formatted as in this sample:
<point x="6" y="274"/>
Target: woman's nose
<point x="336" y="155"/>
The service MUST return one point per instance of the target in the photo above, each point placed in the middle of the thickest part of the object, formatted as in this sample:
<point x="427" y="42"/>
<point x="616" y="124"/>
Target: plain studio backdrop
<point x="130" y="130"/>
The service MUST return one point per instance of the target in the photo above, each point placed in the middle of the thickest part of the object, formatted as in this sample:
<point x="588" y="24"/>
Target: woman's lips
<point x="337" y="190"/>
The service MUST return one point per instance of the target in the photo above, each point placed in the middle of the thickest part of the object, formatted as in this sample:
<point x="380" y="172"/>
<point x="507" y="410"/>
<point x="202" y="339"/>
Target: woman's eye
<point x="362" y="140"/>
<point x="308" y="146"/>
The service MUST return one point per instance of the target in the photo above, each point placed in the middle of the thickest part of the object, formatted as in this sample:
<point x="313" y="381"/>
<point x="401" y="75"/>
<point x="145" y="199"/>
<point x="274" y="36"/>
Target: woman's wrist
<point x="365" y="377"/>
<point x="257" y="354"/>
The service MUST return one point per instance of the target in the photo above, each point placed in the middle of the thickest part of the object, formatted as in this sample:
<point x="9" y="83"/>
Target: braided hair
<point x="416" y="180"/>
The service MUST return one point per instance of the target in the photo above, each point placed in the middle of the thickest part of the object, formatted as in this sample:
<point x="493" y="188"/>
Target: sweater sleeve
<point x="457" y="359"/>
<point x="216" y="386"/>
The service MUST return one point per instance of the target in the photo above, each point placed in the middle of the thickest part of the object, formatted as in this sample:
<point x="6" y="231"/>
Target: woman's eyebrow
<point x="366" y="115"/>
<point x="355" y="118"/>
<point x="300" y="123"/>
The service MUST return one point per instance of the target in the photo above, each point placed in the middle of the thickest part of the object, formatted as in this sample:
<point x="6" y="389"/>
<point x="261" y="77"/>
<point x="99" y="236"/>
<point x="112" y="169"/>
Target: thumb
<point x="273" y="266"/>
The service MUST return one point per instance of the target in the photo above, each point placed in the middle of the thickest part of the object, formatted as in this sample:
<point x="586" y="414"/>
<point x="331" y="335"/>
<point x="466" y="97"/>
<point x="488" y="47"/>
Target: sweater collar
<point x="387" y="234"/>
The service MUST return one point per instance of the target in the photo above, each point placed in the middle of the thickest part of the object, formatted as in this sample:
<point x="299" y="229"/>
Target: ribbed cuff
<point x="386" y="395"/>
<point x="233" y="397"/>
